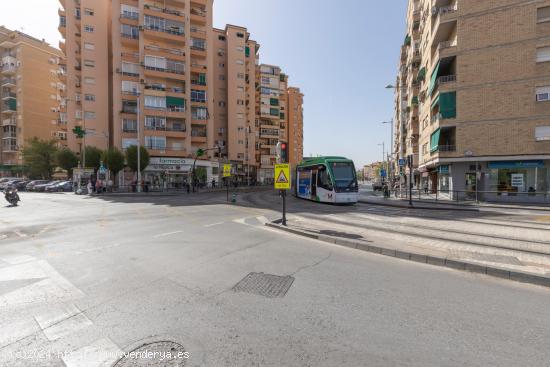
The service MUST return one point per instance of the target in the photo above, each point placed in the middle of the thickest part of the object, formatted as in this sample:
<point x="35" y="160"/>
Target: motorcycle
<point x="11" y="196"/>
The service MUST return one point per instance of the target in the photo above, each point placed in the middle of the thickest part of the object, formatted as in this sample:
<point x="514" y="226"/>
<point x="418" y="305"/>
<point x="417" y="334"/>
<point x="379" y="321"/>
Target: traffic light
<point x="284" y="152"/>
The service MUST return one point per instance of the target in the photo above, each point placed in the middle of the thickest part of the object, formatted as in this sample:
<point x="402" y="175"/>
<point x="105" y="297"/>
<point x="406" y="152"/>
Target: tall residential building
<point x="270" y="117"/>
<point x="472" y="97"/>
<point x="295" y="121"/>
<point x="84" y="25"/>
<point x="31" y="95"/>
<point x="160" y="71"/>
<point x="234" y="98"/>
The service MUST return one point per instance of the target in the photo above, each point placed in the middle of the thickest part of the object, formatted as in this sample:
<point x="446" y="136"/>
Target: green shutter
<point x="202" y="79"/>
<point x="274" y="112"/>
<point x="282" y="116"/>
<point x="433" y="81"/>
<point x="415" y="101"/>
<point x="434" y="143"/>
<point x="274" y="101"/>
<point x="174" y="101"/>
<point x="247" y="51"/>
<point x="421" y="74"/>
<point x="407" y="40"/>
<point x="447" y="105"/>
<point x="12" y="103"/>
<point x="435" y="102"/>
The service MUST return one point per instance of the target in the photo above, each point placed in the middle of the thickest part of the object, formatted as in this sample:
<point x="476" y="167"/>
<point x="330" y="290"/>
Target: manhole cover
<point x="266" y="285"/>
<point x="162" y="353"/>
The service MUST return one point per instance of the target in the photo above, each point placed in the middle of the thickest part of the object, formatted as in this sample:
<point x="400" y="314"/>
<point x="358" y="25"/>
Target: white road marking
<point x="16" y="330"/>
<point x="15" y="259"/>
<point x="22" y="235"/>
<point x="213" y="224"/>
<point x="53" y="287"/>
<point x="167" y="234"/>
<point x="93" y="249"/>
<point x="59" y="323"/>
<point x="262" y="219"/>
<point x="4" y="236"/>
<point x="101" y="353"/>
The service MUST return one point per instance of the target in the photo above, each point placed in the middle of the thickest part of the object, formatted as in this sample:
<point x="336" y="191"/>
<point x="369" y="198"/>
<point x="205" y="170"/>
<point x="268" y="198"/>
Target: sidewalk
<point x="184" y="192"/>
<point x="431" y="204"/>
<point x="508" y="263"/>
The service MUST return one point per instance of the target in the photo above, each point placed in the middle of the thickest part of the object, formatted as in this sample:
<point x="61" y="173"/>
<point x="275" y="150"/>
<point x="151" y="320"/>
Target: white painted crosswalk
<point x="62" y="321"/>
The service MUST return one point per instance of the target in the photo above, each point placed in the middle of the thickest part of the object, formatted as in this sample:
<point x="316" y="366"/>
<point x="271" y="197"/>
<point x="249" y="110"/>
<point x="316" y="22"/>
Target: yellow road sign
<point x="282" y="176"/>
<point x="226" y="170"/>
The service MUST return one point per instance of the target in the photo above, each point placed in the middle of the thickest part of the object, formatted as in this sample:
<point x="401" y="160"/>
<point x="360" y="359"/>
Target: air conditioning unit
<point x="141" y="28"/>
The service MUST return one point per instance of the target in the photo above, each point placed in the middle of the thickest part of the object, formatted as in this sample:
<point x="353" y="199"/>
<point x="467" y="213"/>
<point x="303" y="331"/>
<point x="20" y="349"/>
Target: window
<point x="323" y="179"/>
<point x="89" y="80"/>
<point x="240" y="76"/>
<point x="78" y="114"/>
<point x="129" y="31"/>
<point x="543" y="14"/>
<point x="88" y="12"/>
<point x="221" y="38"/>
<point x="221" y="65"/>
<point x="543" y="94"/>
<point x="129" y="125"/>
<point x="89" y="63"/>
<point x="89" y="115"/>
<point x="129" y="12"/>
<point x="240" y="102"/>
<point x="155" y="102"/>
<point x="198" y="96"/>
<point x="198" y="44"/>
<point x="240" y="89"/>
<point x="89" y="46"/>
<point x="240" y="35"/>
<point x="425" y="149"/>
<point x="543" y="54"/>
<point x="222" y="77"/>
<point x="130" y="69"/>
<point x="77" y="13"/>
<point x="199" y="113"/>
<point x="155" y="142"/>
<point x="126" y="143"/>
<point x="89" y="28"/>
<point x="155" y="63"/>
<point x="130" y="87"/>
<point x="89" y="97"/>
<point x="240" y="116"/>
<point x="155" y="122"/>
<point x="163" y="25"/>
<point x="221" y="104"/>
<point x="240" y="62"/>
<point x="542" y="133"/>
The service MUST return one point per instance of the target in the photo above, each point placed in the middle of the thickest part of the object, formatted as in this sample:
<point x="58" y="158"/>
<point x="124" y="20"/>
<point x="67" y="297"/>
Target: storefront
<point x="173" y="173"/>
<point x="444" y="178"/>
<point x="510" y="177"/>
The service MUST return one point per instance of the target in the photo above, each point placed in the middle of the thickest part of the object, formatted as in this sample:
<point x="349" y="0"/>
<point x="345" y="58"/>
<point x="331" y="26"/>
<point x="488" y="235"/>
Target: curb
<point x="492" y="271"/>
<point x="388" y="203"/>
<point x="169" y="194"/>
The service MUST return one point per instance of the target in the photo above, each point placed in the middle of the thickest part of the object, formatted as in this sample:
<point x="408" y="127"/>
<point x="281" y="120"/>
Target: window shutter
<point x="543" y="54"/>
<point x="543" y="13"/>
<point x="542" y="133"/>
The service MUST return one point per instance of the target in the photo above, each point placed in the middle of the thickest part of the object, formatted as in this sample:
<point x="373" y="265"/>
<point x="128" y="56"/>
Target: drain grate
<point x="266" y="285"/>
<point x="161" y="353"/>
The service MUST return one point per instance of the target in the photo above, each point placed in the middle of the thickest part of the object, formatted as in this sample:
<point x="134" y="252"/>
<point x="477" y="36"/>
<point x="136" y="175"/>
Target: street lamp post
<point x="390" y="168"/>
<point x="138" y="143"/>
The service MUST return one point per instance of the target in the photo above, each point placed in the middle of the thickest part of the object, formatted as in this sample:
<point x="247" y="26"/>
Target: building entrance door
<point x="471" y="183"/>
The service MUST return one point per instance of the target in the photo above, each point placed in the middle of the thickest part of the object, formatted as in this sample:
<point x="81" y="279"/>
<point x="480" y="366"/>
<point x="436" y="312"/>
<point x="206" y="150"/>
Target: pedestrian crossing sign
<point x="226" y="170"/>
<point x="282" y="176"/>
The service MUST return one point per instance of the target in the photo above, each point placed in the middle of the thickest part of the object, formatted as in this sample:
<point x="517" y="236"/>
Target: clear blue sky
<point x="340" y="53"/>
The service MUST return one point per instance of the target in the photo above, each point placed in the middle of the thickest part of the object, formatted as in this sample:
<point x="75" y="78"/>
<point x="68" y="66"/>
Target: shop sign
<point x="444" y="170"/>
<point x="517" y="180"/>
<point x="516" y="164"/>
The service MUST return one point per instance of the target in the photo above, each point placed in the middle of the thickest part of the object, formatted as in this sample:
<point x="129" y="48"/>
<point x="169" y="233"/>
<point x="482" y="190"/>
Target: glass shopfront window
<point x="519" y="176"/>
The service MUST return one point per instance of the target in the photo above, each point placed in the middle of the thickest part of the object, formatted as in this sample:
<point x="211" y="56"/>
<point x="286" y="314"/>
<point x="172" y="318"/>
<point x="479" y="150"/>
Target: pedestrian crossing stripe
<point x="282" y="174"/>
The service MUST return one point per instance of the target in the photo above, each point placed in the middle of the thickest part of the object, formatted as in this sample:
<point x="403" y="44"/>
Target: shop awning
<point x="435" y="102"/>
<point x="433" y="81"/>
<point x="516" y="164"/>
<point x="175" y="101"/>
<point x="434" y="142"/>
<point x="447" y="105"/>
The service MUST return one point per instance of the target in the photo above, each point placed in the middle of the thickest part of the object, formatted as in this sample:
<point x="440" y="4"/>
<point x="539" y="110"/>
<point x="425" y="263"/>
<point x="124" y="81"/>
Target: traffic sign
<point x="402" y="162"/>
<point x="383" y="173"/>
<point x="282" y="176"/>
<point x="226" y="170"/>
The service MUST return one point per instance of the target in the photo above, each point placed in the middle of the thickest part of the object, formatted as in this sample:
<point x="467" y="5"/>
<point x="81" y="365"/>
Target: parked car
<point x="21" y="185"/>
<point x="30" y="186"/>
<point x="42" y="187"/>
<point x="13" y="182"/>
<point x="59" y="187"/>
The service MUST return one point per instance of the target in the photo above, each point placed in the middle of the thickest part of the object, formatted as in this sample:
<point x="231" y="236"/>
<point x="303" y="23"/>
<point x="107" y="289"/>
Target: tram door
<point x="313" y="184"/>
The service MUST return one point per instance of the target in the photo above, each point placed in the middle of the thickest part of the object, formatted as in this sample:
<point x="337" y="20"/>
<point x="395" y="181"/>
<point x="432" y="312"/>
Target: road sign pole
<point x="283" y="193"/>
<point x="410" y="179"/>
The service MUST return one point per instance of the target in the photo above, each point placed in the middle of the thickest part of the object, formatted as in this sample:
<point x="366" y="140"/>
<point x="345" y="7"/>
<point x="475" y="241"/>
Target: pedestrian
<point x="89" y="187"/>
<point x="110" y="185"/>
<point x="213" y="183"/>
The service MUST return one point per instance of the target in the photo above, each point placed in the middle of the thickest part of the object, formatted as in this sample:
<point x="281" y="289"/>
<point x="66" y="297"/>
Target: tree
<point x="39" y="157"/>
<point x="131" y="158"/>
<point x="93" y="157"/>
<point x="114" y="160"/>
<point x="66" y="159"/>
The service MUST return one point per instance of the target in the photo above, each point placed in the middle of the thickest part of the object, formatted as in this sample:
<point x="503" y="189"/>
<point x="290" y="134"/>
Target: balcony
<point x="161" y="28"/>
<point x="168" y="13"/>
<point x="198" y="15"/>
<point x="161" y="51"/>
<point x="174" y="72"/>
<point x="9" y="69"/>
<point x="8" y="95"/>
<point x="9" y="122"/>
<point x="445" y="24"/>
<point x="10" y="106"/>
<point x="8" y="82"/>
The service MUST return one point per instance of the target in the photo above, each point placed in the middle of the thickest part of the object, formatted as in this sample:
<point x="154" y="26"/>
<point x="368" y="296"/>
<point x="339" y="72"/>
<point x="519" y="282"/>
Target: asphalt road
<point x="82" y="279"/>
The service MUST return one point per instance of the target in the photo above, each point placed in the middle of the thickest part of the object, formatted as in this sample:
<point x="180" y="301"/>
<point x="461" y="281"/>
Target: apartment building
<point x="31" y="95"/>
<point x="84" y="25"/>
<point x="472" y="97"/>
<point x="159" y="72"/>
<point x="295" y="123"/>
<point x="234" y="98"/>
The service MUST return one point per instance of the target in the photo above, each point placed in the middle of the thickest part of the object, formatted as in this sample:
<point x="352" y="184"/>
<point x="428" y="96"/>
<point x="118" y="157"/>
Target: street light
<point x="383" y="157"/>
<point x="391" y="148"/>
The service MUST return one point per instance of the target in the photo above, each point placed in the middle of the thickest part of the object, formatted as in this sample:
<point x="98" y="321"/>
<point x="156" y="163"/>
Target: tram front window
<point x="344" y="176"/>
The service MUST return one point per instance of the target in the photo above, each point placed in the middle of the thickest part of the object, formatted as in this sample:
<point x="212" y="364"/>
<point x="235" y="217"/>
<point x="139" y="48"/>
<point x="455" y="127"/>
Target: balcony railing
<point x="8" y="81"/>
<point x="166" y="128"/>
<point x="9" y="95"/>
<point x="446" y="79"/>
<point x="446" y="9"/>
<point x="179" y="71"/>
<point x="173" y="51"/>
<point x="198" y="134"/>
<point x="435" y="118"/>
<point x="447" y="44"/>
<point x="163" y="10"/>
<point x="446" y="148"/>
